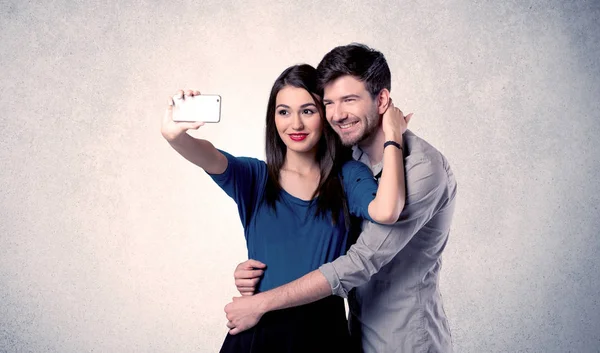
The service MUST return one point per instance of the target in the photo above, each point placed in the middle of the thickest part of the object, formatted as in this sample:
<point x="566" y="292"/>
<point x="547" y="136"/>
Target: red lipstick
<point x="298" y="137"/>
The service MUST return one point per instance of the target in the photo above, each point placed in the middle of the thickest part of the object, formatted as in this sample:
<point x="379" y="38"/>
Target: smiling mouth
<point x="347" y="126"/>
<point x="298" y="137"/>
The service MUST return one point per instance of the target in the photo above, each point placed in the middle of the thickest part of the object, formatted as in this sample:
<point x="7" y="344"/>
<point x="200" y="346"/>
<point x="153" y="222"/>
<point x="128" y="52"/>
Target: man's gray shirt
<point x="391" y="274"/>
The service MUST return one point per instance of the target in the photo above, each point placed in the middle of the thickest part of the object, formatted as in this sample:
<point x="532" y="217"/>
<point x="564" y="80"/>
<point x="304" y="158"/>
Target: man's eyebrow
<point x="343" y="97"/>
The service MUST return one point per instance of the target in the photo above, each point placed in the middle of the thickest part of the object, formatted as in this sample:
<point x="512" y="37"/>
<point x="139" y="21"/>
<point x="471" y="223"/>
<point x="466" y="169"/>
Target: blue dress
<point x="292" y="242"/>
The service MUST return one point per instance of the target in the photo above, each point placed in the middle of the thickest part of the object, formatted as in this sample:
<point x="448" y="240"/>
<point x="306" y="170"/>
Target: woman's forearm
<point x="391" y="193"/>
<point x="200" y="152"/>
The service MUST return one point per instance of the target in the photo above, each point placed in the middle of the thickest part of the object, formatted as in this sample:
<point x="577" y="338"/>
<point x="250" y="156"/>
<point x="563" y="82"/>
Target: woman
<point x="295" y="207"/>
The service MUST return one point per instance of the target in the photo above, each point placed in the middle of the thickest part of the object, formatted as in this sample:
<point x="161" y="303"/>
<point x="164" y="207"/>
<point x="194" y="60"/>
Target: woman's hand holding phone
<point x="171" y="129"/>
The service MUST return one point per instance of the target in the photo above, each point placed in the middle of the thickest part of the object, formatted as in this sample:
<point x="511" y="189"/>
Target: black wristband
<point x="393" y="143"/>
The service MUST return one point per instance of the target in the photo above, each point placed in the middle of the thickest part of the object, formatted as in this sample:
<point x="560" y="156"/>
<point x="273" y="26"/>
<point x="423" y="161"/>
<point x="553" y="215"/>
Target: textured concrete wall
<point x="111" y="242"/>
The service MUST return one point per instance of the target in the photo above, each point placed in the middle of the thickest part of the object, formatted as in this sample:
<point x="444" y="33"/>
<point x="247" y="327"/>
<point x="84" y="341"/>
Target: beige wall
<point x="111" y="242"/>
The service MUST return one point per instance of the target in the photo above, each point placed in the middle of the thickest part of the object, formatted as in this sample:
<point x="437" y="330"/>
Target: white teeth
<point x="345" y="126"/>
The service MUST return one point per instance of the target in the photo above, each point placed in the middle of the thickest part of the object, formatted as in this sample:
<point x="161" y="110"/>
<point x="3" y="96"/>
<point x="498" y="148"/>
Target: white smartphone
<point x="202" y="108"/>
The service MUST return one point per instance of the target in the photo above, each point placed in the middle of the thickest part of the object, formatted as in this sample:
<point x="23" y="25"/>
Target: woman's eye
<point x="282" y="112"/>
<point x="308" y="112"/>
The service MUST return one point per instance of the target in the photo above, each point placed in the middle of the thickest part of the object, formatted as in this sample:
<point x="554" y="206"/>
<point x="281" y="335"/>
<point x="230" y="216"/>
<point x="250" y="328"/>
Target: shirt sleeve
<point x="360" y="187"/>
<point x="243" y="180"/>
<point x="377" y="245"/>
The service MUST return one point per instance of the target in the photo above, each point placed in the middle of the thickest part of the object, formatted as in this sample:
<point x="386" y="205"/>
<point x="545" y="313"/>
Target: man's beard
<point x="371" y="124"/>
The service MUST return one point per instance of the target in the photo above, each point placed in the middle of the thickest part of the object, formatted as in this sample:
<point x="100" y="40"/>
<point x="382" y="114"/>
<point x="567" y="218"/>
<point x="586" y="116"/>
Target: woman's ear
<point x="383" y="100"/>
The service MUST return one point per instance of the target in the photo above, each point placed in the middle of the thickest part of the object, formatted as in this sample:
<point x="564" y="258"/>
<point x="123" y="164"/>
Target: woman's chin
<point x="301" y="148"/>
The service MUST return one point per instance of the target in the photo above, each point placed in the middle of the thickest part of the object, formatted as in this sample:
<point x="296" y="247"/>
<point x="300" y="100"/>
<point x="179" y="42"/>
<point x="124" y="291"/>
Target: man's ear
<point x="383" y="100"/>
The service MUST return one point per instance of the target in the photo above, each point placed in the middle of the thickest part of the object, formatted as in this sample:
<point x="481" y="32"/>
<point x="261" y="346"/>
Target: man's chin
<point x="350" y="140"/>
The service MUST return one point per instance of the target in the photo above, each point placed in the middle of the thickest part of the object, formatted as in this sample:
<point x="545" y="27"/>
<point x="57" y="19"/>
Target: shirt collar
<point x="359" y="155"/>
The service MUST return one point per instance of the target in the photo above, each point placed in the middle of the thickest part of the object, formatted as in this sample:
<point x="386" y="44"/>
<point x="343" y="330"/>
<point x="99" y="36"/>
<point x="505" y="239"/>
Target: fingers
<point x="394" y="110"/>
<point x="390" y="107"/>
<point x="248" y="274"/>
<point x="190" y="126"/>
<point x="241" y="328"/>
<point x="250" y="264"/>
<point x="181" y="94"/>
<point x="178" y="95"/>
<point x="246" y="282"/>
<point x="249" y="269"/>
<point x="230" y="325"/>
<point x="249" y="282"/>
<point x="255" y="273"/>
<point x="172" y="101"/>
<point x="393" y="113"/>
<point x="247" y="289"/>
<point x="241" y="272"/>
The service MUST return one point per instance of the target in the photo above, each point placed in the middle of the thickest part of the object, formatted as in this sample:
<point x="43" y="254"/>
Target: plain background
<point x="111" y="242"/>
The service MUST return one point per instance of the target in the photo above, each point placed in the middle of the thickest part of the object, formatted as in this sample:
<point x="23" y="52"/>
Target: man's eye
<point x="349" y="100"/>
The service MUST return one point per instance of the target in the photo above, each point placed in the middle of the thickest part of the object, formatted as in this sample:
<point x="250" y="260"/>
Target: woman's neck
<point x="303" y="163"/>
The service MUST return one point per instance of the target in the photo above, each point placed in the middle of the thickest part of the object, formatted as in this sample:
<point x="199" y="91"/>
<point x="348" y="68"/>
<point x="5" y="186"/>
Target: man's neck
<point x="373" y="146"/>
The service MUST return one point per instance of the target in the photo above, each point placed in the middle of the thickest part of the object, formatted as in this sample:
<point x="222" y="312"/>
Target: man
<point x="391" y="274"/>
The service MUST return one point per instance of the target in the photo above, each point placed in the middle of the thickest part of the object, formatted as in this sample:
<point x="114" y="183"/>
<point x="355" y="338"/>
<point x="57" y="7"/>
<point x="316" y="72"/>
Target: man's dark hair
<point x="365" y="64"/>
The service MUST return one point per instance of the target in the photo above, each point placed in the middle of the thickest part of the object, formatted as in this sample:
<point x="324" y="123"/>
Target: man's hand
<point x="247" y="275"/>
<point x="243" y="313"/>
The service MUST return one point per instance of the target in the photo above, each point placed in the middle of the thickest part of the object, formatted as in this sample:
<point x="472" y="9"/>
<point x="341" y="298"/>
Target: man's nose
<point x="338" y="114"/>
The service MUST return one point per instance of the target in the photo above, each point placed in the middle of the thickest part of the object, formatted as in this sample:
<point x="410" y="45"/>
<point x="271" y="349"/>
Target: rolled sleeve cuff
<point x="328" y="270"/>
